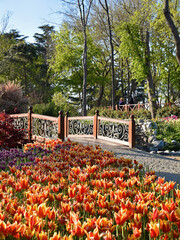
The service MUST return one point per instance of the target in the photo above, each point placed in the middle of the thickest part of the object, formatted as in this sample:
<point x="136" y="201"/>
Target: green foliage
<point x="67" y="65"/>
<point x="10" y="137"/>
<point x="57" y="104"/>
<point x="142" y="114"/>
<point x="12" y="99"/>
<point x="168" y="111"/>
<point x="48" y="109"/>
<point x="168" y="131"/>
<point x="62" y="103"/>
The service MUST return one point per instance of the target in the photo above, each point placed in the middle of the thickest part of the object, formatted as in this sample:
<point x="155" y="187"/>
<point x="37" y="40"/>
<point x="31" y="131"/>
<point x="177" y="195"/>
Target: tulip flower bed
<point x="68" y="191"/>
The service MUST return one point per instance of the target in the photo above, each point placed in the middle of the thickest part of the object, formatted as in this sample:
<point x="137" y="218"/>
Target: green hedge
<point x="167" y="111"/>
<point x="142" y="114"/>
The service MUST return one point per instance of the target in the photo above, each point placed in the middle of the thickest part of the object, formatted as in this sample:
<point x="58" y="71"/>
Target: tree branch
<point x="173" y="28"/>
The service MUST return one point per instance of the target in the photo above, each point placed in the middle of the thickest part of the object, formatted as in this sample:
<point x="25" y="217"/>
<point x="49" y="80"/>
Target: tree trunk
<point x="106" y="8"/>
<point x="128" y="78"/>
<point x="101" y="92"/>
<point x="112" y="56"/>
<point x="168" y="87"/>
<point x="173" y="28"/>
<point x="150" y="84"/>
<point x="122" y="79"/>
<point x="84" y="19"/>
<point x="84" y="73"/>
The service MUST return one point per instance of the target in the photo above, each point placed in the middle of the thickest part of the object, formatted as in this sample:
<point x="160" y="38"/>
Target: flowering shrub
<point x="12" y="98"/>
<point x="171" y="118"/>
<point x="80" y="192"/>
<point x="10" y="137"/>
<point x="168" y="129"/>
<point x="167" y="111"/>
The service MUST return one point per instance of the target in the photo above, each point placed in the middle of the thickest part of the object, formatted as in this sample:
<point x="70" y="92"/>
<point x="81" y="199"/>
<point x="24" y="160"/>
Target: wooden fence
<point x="131" y="107"/>
<point x="41" y="127"/>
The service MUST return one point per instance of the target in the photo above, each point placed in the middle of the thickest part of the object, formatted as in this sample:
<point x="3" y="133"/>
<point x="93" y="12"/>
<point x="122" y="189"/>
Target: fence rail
<point x="131" y="107"/>
<point x="46" y="127"/>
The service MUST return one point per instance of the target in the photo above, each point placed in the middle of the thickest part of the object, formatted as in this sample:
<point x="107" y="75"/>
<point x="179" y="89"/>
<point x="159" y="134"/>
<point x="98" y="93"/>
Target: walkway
<point x="163" y="166"/>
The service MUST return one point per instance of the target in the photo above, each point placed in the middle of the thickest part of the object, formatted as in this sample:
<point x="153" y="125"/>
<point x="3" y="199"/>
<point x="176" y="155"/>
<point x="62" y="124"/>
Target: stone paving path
<point x="163" y="166"/>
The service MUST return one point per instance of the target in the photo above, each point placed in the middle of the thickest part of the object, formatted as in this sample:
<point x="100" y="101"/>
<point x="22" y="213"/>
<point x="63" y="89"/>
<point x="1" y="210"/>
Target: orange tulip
<point x="165" y="226"/>
<point x="24" y="183"/>
<point x="55" y="189"/>
<point x="2" y="216"/>
<point x="67" y="238"/>
<point x="42" y="236"/>
<point x="75" y="225"/>
<point x="65" y="207"/>
<point x="42" y="210"/>
<point x="104" y="224"/>
<point x="34" y="222"/>
<point x="108" y="236"/>
<point x="137" y="222"/>
<point x="52" y="214"/>
<point x="93" y="235"/>
<point x="89" y="207"/>
<point x="3" y="227"/>
<point x="137" y="232"/>
<point x="56" y="236"/>
<point x="122" y="216"/>
<point x="12" y="229"/>
<point x="153" y="229"/>
<point x="142" y="208"/>
<point x="155" y="214"/>
<point x="172" y="217"/>
<point x="17" y="217"/>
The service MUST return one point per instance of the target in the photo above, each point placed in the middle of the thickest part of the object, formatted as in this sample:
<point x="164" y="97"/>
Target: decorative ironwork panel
<point x="21" y="123"/>
<point x="114" y="130"/>
<point x="81" y="127"/>
<point x="44" y="128"/>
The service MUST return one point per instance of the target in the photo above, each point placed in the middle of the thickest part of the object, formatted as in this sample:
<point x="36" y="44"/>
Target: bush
<point x="62" y="103"/>
<point x="48" y="109"/>
<point x="10" y="137"/>
<point x="105" y="112"/>
<point x="167" y="111"/>
<point x="169" y="131"/>
<point x="12" y="99"/>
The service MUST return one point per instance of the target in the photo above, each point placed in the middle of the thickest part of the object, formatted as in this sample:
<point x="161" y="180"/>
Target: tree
<point x="106" y="9"/>
<point x="16" y="58"/>
<point x="84" y="14"/>
<point x="134" y="33"/>
<point x="66" y="64"/>
<point x="80" y="17"/>
<point x="44" y="48"/>
<point x="173" y="28"/>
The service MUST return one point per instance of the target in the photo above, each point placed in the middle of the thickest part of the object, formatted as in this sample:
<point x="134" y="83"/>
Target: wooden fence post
<point x="66" y="125"/>
<point x="96" y="125"/>
<point x="126" y="107"/>
<point x="132" y="132"/>
<point x="139" y="106"/>
<point x="61" y="126"/>
<point x="30" y="124"/>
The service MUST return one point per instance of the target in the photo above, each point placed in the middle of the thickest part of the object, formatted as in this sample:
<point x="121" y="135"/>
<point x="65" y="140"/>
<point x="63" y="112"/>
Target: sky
<point x="27" y="15"/>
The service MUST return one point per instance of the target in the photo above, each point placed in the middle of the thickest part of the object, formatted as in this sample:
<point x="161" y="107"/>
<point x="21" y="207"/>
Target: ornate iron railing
<point x="20" y="121"/>
<point x="40" y="126"/>
<point x="114" y="129"/>
<point x="80" y="125"/>
<point x="44" y="126"/>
